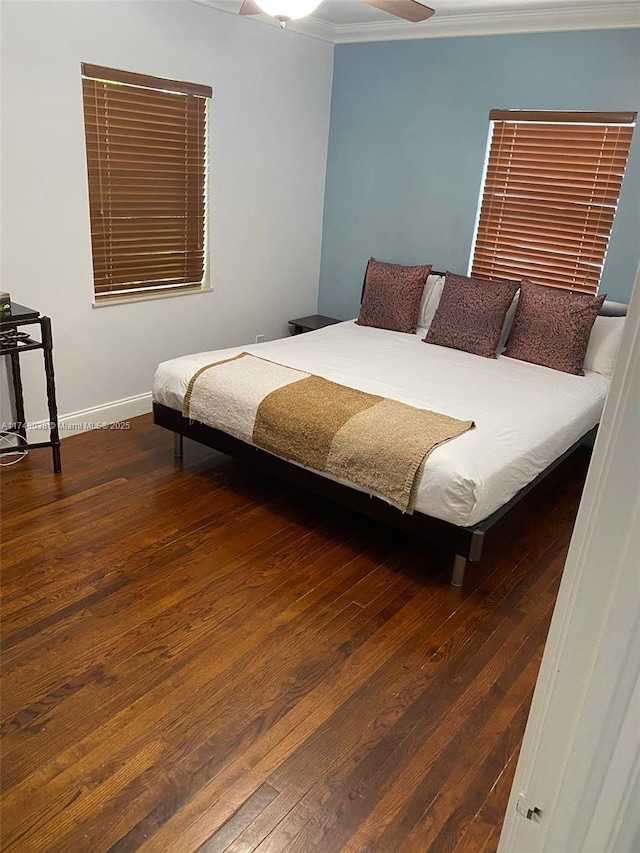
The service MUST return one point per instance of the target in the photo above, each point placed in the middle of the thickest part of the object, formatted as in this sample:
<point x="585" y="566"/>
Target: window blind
<point x="550" y="192"/>
<point x="146" y="161"/>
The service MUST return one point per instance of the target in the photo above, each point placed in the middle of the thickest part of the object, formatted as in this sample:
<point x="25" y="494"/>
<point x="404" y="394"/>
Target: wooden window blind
<point x="550" y="192"/>
<point x="146" y="161"/>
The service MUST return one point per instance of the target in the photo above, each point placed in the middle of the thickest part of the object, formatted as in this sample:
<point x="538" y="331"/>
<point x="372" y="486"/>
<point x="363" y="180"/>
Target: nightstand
<point x="310" y="324"/>
<point x="13" y="342"/>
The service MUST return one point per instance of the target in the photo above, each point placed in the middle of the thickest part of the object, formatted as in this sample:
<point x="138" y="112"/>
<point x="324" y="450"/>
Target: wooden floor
<point x="198" y="658"/>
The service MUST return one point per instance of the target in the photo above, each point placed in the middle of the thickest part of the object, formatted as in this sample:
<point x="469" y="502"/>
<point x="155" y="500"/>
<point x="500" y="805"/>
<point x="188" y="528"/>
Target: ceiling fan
<point x="287" y="10"/>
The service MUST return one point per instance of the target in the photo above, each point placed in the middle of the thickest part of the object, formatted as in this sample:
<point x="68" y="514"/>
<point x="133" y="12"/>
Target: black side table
<point x="311" y="323"/>
<point x="12" y="343"/>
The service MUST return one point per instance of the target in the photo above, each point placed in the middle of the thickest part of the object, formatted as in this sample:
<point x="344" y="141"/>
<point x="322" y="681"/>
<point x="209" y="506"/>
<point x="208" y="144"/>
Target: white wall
<point x="269" y="123"/>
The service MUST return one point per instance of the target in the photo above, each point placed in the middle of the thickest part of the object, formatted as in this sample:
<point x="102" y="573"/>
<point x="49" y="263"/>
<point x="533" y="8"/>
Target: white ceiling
<point x="339" y="12"/>
<point x="351" y="21"/>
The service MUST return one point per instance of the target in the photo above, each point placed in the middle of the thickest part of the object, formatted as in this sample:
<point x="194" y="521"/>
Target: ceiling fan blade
<point x="250" y="7"/>
<point x="410" y="10"/>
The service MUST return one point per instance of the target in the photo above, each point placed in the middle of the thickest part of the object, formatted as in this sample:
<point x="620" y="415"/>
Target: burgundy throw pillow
<point x="552" y="327"/>
<point x="391" y="296"/>
<point x="471" y="314"/>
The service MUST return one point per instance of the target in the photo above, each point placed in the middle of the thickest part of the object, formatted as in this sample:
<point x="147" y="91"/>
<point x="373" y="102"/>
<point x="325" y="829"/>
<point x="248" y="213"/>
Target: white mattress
<point x="526" y="415"/>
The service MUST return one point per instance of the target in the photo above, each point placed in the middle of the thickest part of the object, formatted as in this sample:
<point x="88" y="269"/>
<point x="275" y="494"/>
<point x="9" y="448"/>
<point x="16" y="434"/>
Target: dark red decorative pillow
<point x="552" y="327"/>
<point x="471" y="314"/>
<point x="391" y="296"/>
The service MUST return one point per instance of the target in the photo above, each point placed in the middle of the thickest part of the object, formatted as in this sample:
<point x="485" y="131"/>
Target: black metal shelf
<point x="14" y="342"/>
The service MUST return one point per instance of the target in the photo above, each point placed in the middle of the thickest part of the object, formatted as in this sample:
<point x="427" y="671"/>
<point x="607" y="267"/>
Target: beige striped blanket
<point x="375" y="443"/>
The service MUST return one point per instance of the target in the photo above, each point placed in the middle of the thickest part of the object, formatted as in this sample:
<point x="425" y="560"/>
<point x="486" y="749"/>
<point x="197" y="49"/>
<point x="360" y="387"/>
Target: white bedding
<point x="526" y="415"/>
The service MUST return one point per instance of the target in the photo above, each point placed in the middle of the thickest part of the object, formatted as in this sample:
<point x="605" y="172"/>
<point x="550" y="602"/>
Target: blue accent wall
<point x="409" y="127"/>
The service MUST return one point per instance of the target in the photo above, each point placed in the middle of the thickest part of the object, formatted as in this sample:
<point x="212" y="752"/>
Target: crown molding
<point x="313" y="27"/>
<point x="603" y="16"/>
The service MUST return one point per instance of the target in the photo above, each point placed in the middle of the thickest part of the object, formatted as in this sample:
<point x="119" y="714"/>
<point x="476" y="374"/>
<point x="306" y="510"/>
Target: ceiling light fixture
<point x="288" y="10"/>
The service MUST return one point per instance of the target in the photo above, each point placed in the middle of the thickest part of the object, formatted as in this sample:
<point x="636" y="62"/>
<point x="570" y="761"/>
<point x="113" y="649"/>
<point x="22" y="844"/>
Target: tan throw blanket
<point x="378" y="444"/>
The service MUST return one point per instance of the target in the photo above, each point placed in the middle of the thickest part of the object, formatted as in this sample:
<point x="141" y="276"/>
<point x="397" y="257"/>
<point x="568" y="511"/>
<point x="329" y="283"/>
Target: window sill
<point x="147" y="297"/>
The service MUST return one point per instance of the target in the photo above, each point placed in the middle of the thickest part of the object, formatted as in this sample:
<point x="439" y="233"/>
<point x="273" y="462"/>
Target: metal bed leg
<point x="457" y="575"/>
<point x="177" y="445"/>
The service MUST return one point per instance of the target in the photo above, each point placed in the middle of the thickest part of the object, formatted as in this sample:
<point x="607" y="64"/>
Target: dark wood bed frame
<point x="465" y="542"/>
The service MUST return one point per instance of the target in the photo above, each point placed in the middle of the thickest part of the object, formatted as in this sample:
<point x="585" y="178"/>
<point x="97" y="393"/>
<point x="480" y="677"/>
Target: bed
<point x="528" y="419"/>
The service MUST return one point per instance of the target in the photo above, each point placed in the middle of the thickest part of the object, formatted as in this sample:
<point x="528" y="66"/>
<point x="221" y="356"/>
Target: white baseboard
<point x="97" y="417"/>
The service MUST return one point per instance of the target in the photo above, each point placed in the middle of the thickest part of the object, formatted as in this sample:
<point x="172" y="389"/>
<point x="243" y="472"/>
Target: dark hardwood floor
<point x="198" y="658"/>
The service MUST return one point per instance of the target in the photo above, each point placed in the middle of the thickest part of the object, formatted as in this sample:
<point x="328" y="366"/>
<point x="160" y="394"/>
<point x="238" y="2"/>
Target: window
<point x="146" y="162"/>
<point x="550" y="192"/>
